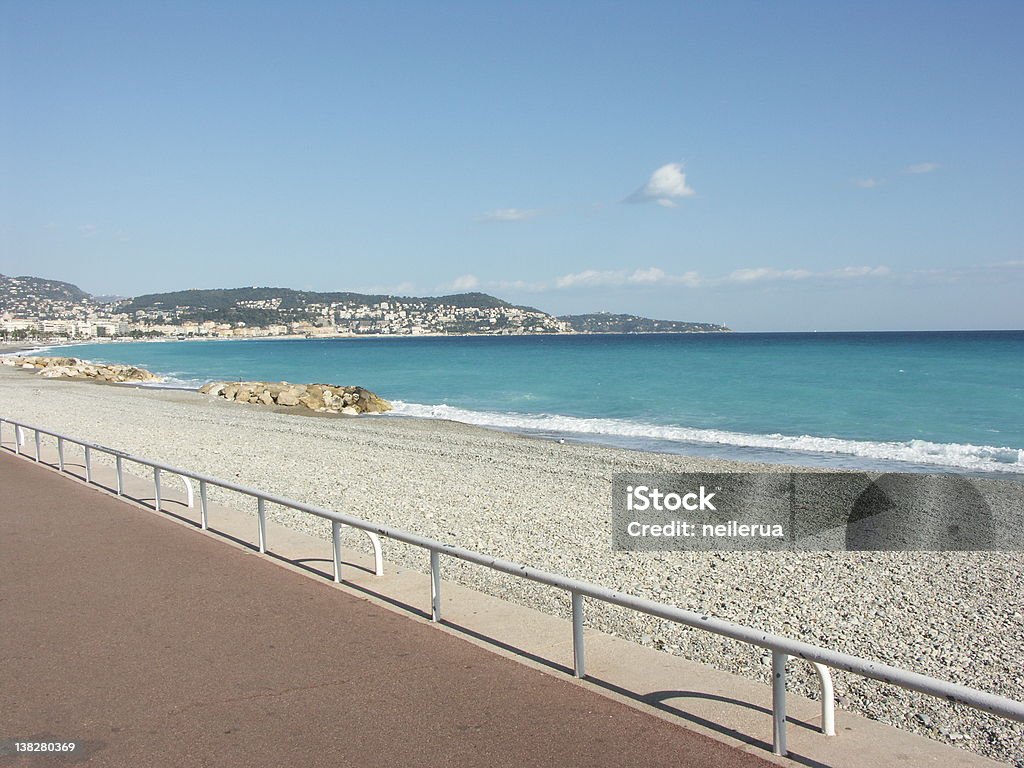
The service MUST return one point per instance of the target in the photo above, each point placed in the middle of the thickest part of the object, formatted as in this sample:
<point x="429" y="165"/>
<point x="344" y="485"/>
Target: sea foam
<point x="979" y="458"/>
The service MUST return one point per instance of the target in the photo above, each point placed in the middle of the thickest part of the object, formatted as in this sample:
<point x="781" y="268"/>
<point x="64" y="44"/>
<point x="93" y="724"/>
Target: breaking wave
<point x="979" y="458"/>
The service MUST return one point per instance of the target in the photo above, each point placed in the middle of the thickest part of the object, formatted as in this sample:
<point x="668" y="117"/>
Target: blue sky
<point x="771" y="166"/>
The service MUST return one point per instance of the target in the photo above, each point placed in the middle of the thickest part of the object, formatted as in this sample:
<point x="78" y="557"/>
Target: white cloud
<point x="758" y="274"/>
<point x="852" y="272"/>
<point x="763" y="274"/>
<point x="921" y="168"/>
<point x="655" y="277"/>
<point x="619" y="277"/>
<point x="589" y="277"/>
<point x="509" y="214"/>
<point x="869" y="183"/>
<point x="666" y="185"/>
<point x="88" y="230"/>
<point x="465" y="283"/>
<point x="649" y="275"/>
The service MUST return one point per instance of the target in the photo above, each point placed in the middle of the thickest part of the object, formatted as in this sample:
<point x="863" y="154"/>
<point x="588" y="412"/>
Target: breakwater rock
<point x="73" y="368"/>
<point x="323" y="398"/>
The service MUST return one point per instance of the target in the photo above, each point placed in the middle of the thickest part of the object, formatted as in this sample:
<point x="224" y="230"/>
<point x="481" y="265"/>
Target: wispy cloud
<point x="666" y="185"/>
<point x="998" y="270"/>
<point x="402" y="289"/>
<point x="509" y="214"/>
<point x="872" y="182"/>
<point x="759" y="274"/>
<point x="88" y="230"/>
<point x="619" y="277"/>
<point x="762" y="274"/>
<point x="465" y="283"/>
<point x="655" y="277"/>
<point x="854" y="272"/>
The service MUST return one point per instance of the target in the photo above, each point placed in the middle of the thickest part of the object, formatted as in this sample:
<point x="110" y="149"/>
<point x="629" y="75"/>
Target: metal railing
<point x="187" y="477"/>
<point x="782" y="648"/>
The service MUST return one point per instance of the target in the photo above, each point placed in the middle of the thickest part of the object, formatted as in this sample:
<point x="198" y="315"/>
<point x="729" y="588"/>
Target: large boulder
<point x="368" y="402"/>
<point x="314" y="398"/>
<point x="290" y="396"/>
<point x="213" y="388"/>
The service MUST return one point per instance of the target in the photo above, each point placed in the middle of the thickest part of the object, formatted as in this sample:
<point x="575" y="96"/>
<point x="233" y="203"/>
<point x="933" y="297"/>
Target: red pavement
<point x="155" y="645"/>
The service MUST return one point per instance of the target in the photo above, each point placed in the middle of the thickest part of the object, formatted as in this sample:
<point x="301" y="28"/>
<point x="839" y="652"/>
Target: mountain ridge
<point x="265" y="306"/>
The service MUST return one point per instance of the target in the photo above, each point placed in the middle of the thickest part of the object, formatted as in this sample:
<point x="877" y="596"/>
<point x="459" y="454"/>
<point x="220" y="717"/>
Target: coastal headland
<point x="950" y="615"/>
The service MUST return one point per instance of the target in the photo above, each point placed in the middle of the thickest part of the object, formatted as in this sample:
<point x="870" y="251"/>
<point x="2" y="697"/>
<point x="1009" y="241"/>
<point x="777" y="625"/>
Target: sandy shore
<point x="956" y="616"/>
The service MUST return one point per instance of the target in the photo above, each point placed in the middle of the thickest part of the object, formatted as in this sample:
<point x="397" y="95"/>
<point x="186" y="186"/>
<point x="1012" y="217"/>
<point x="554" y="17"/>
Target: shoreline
<point x="546" y="504"/>
<point x="373" y="336"/>
<point x="862" y="455"/>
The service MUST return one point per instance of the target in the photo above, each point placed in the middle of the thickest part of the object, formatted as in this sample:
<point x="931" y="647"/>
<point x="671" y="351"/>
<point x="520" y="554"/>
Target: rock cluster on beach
<point x="323" y="398"/>
<point x="73" y="368"/>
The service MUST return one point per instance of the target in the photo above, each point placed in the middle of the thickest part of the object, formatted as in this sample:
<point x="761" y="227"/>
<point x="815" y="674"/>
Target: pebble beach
<point x="954" y="616"/>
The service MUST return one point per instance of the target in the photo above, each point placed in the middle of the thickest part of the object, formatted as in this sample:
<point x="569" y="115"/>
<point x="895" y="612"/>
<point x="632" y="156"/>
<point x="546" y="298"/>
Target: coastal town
<point x="37" y="309"/>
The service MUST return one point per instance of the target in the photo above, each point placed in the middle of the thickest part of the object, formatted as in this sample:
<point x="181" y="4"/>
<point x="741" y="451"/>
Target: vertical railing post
<point x="578" y="660"/>
<point x="18" y="437"/>
<point x="156" y="488"/>
<point x="261" y="513"/>
<point x="204" y="515"/>
<point x="88" y="465"/>
<point x="779" y="702"/>
<point x="336" y="546"/>
<point x="37" y="446"/>
<point x="435" y="585"/>
<point x="828" y="699"/>
<point x="60" y="453"/>
<point x="120" y="476"/>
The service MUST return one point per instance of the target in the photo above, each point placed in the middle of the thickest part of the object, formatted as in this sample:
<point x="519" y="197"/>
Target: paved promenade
<point x="153" y="645"/>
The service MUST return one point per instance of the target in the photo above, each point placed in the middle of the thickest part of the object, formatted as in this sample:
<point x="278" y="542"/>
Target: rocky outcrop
<point x="323" y="398"/>
<point x="73" y="368"/>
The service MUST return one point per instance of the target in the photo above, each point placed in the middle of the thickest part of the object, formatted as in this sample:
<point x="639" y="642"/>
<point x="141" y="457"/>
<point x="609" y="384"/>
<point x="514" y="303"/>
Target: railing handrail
<point x="779" y="645"/>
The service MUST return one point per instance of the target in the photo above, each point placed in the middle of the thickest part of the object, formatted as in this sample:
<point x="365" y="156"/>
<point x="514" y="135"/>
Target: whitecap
<point x="980" y="458"/>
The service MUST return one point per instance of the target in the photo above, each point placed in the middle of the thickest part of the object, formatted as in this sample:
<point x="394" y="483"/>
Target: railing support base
<point x="435" y="585"/>
<point x="779" y="702"/>
<point x="578" y="662"/>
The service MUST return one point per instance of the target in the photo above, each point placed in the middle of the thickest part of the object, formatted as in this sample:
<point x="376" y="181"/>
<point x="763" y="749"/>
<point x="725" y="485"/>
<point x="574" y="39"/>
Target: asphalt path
<point x="148" y="643"/>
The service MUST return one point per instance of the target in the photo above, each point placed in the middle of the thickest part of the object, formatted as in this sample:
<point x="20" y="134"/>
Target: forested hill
<point x="605" y="322"/>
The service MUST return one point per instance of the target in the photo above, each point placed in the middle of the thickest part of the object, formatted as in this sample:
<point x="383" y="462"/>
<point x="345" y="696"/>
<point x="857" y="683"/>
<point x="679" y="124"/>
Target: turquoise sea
<point x="942" y="400"/>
